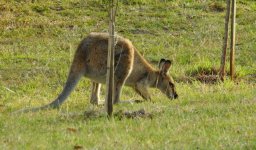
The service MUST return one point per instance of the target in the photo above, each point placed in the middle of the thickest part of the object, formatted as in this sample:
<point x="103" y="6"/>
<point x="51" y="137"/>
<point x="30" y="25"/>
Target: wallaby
<point x="131" y="69"/>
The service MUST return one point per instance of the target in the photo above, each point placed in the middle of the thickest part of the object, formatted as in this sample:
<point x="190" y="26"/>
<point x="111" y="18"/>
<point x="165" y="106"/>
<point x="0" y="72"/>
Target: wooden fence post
<point x="110" y="63"/>
<point x="225" y="43"/>
<point x="232" y="44"/>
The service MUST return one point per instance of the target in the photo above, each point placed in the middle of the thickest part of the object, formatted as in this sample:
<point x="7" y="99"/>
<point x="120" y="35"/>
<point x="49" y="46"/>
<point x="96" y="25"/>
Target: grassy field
<point x="37" y="44"/>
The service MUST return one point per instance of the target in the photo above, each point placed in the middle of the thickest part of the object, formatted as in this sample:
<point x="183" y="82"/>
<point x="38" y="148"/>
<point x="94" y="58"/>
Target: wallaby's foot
<point x="102" y="102"/>
<point x="95" y="94"/>
<point x="129" y="101"/>
<point x="137" y="101"/>
<point x="97" y="102"/>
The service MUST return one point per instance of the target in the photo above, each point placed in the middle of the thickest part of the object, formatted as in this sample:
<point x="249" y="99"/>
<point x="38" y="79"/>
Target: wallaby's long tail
<point x="69" y="87"/>
<point x="72" y="81"/>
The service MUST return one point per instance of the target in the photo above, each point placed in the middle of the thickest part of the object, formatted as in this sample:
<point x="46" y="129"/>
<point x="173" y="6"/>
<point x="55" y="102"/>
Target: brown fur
<point x="131" y="69"/>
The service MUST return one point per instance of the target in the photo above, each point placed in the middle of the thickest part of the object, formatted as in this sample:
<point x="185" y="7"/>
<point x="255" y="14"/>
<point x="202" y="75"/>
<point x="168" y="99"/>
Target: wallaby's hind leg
<point x="95" y="94"/>
<point x="124" y="56"/>
<point x="118" y="89"/>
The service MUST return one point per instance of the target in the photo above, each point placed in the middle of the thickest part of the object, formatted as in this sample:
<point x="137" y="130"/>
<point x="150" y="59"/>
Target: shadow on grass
<point x="119" y="115"/>
<point x="141" y="113"/>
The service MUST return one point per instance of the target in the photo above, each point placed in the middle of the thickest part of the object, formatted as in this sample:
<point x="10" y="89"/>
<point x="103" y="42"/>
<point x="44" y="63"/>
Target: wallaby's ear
<point x="165" y="66"/>
<point x="161" y="63"/>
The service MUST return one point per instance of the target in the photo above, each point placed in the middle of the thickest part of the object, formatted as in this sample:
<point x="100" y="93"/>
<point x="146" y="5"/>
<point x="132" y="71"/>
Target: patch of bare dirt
<point x="208" y="78"/>
<point x="211" y="76"/>
<point x="202" y="74"/>
<point x="251" y="78"/>
<point x="141" y="113"/>
<point x="217" y="7"/>
<point x="133" y="114"/>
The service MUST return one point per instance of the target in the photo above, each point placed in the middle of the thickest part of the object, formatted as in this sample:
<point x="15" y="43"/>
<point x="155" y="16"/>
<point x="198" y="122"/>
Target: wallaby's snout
<point x="172" y="95"/>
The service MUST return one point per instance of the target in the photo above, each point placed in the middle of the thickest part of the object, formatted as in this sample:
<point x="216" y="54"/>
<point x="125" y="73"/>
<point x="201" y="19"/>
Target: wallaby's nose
<point x="176" y="95"/>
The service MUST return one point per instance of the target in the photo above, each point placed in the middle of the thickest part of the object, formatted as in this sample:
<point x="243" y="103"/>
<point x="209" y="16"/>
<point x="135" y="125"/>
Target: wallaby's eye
<point x="171" y="84"/>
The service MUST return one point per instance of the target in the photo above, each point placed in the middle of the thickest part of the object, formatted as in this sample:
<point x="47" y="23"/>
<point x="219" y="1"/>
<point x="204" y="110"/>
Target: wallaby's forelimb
<point x="142" y="91"/>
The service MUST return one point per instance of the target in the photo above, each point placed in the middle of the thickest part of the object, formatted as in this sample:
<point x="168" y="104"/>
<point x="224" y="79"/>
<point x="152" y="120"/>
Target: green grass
<point x="37" y="44"/>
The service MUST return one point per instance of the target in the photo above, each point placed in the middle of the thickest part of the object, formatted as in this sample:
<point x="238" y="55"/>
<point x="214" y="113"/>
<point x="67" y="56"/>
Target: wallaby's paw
<point x="138" y="101"/>
<point x="131" y="101"/>
<point x="101" y="102"/>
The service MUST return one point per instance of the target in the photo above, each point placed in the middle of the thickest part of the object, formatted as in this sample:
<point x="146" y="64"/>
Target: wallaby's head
<point x="165" y="82"/>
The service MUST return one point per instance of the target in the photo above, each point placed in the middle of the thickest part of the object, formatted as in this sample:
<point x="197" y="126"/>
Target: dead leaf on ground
<point x="72" y="129"/>
<point x="78" y="147"/>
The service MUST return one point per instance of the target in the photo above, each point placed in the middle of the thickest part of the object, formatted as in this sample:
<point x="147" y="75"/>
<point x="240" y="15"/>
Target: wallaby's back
<point x="93" y="52"/>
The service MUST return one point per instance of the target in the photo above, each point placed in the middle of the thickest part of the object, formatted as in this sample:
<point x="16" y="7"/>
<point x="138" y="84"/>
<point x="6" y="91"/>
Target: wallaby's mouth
<point x="173" y="96"/>
<point x="176" y="96"/>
